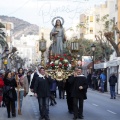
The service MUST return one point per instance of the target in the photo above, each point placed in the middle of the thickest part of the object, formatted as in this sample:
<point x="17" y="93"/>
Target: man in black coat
<point x="112" y="82"/>
<point x="78" y="93"/>
<point x="42" y="92"/>
<point x="68" y="88"/>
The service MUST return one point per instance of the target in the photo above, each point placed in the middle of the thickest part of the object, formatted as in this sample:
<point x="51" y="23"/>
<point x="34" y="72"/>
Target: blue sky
<point x="41" y="12"/>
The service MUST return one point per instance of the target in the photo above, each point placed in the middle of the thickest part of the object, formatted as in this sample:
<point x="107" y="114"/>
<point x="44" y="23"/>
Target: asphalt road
<point x="98" y="106"/>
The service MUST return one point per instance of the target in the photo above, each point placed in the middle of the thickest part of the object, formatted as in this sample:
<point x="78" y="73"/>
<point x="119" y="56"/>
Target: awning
<point x="100" y="65"/>
<point x="110" y="63"/>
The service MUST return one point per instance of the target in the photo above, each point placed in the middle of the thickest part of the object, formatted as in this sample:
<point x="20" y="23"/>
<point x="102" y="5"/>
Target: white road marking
<point x="111" y="112"/>
<point x="95" y="104"/>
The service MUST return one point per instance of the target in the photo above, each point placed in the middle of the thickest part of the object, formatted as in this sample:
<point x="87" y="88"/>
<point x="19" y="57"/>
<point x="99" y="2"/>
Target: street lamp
<point x="5" y="59"/>
<point x="42" y="48"/>
<point x="93" y="49"/>
<point x="74" y="46"/>
<point x="74" y="50"/>
<point x="78" y="56"/>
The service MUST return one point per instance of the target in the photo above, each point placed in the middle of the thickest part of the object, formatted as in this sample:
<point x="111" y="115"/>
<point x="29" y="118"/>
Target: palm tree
<point x="2" y="36"/>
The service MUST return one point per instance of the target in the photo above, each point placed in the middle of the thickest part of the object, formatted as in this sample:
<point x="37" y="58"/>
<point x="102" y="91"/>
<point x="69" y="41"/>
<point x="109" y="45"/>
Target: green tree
<point x="2" y="35"/>
<point x="85" y="49"/>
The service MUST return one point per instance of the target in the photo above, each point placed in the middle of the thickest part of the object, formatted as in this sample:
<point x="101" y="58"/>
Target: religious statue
<point x="58" y="36"/>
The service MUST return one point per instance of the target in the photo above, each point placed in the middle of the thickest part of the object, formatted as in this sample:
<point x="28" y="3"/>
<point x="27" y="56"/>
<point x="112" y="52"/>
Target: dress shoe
<point x="71" y="112"/>
<point x="74" y="118"/>
<point x="47" y="118"/>
<point x="51" y="104"/>
<point x="55" y="102"/>
<point x="13" y="115"/>
<point x="114" y="97"/>
<point x="41" y="118"/>
<point x="8" y="116"/>
<point x="81" y="117"/>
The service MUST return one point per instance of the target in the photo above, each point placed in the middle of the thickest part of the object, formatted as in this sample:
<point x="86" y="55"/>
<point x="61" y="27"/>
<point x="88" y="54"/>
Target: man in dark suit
<point x="68" y="88"/>
<point x="42" y="92"/>
<point x="78" y="93"/>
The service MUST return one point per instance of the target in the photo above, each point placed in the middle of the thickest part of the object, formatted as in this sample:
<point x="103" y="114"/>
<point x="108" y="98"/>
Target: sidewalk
<point x="105" y="93"/>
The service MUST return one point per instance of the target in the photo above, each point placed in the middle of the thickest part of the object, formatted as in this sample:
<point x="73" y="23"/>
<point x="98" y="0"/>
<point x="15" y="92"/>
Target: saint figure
<point x="58" y="36"/>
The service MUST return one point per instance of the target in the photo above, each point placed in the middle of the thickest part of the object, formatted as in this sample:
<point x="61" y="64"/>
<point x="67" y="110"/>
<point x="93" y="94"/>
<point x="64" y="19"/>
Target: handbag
<point x="7" y="92"/>
<point x="6" y="89"/>
<point x="10" y="94"/>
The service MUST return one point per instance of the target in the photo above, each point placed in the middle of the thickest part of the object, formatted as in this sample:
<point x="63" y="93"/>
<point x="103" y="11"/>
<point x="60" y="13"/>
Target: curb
<point x="107" y="93"/>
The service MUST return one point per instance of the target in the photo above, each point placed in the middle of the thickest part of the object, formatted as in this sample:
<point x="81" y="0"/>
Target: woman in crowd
<point x="1" y="90"/>
<point x="2" y="74"/>
<point x="9" y="93"/>
<point x="22" y="88"/>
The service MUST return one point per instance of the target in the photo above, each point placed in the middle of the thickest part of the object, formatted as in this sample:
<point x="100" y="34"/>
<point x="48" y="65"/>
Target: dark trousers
<point x="112" y="91"/>
<point x="10" y="106"/>
<point x="95" y="85"/>
<point x="78" y="108"/>
<point x="69" y="102"/>
<point x="52" y="97"/>
<point x="44" y="106"/>
<point x="61" y="92"/>
<point x="55" y="94"/>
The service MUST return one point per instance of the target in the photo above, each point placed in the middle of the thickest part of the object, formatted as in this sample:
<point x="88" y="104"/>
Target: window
<point x="91" y="30"/>
<point x="91" y="18"/>
<point x="81" y="35"/>
<point x="87" y="19"/>
<point x="116" y="7"/>
<point x="87" y="30"/>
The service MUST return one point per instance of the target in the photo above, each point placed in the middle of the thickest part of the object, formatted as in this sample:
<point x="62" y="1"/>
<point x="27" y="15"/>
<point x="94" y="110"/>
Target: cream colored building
<point x="88" y="19"/>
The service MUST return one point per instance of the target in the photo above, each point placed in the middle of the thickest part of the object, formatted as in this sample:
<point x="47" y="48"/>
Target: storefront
<point x="110" y="67"/>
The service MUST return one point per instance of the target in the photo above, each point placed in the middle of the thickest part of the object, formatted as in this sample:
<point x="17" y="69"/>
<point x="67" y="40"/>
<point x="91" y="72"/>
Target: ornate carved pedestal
<point x="60" y="74"/>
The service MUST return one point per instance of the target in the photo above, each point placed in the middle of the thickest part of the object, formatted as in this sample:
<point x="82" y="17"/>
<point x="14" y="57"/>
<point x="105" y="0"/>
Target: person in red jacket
<point x="1" y="93"/>
<point x="2" y="74"/>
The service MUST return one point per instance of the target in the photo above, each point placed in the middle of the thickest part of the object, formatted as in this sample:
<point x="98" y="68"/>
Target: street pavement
<point x="98" y="106"/>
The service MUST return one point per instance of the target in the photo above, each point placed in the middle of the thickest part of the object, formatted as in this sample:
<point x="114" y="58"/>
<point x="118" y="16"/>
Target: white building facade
<point x="28" y="49"/>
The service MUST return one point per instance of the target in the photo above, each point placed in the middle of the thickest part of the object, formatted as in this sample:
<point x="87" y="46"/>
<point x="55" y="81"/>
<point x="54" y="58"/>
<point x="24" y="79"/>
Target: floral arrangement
<point x="59" y="61"/>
